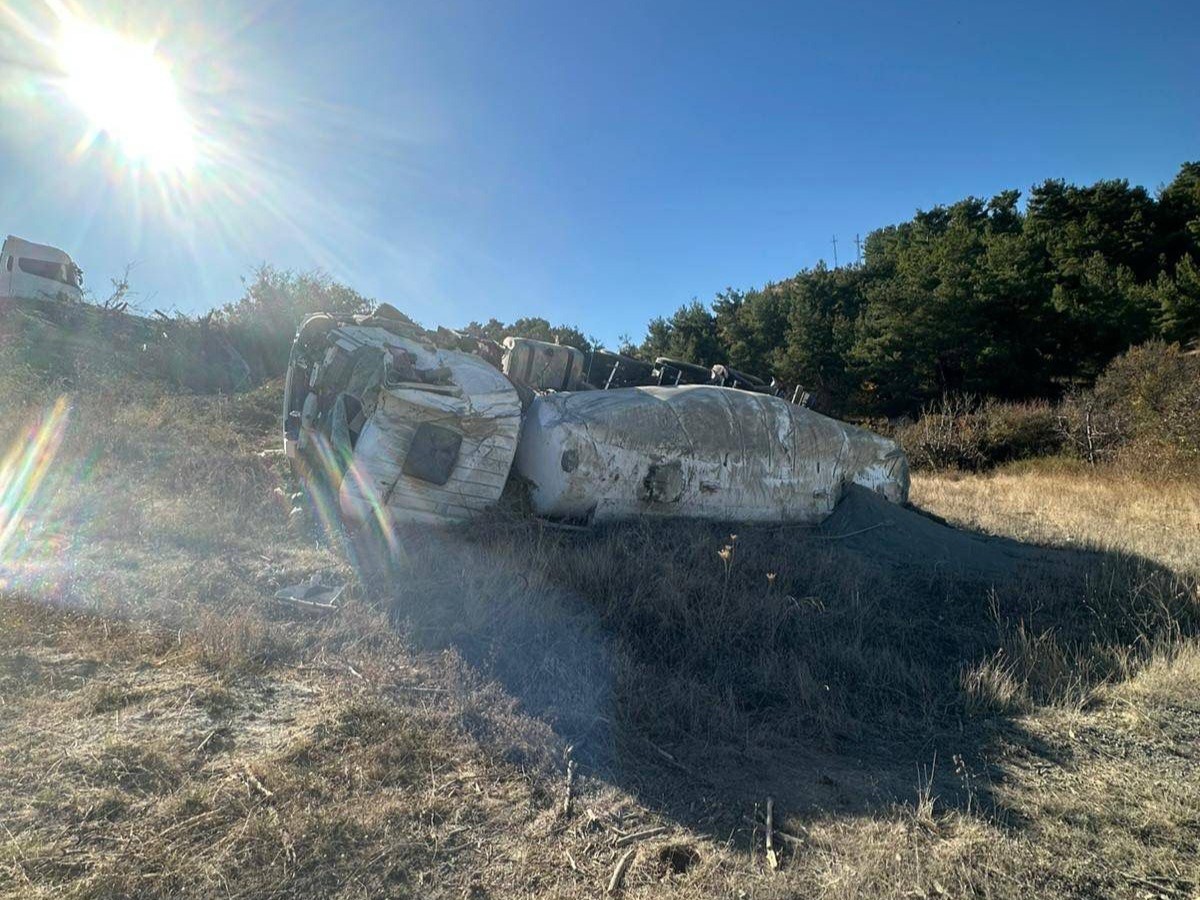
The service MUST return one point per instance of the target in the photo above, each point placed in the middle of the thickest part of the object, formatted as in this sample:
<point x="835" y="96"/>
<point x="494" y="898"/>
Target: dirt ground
<point x="167" y="729"/>
<point x="132" y="768"/>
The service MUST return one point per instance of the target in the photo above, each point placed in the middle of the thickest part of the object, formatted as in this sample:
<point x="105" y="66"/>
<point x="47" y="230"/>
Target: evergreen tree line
<point x="981" y="297"/>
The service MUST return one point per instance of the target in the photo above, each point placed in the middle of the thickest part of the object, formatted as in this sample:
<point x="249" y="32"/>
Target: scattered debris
<point x="311" y="595"/>
<point x="635" y="836"/>
<point x="618" y="874"/>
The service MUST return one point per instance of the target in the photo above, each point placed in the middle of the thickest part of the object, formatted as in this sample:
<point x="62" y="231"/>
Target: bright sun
<point x="127" y="91"/>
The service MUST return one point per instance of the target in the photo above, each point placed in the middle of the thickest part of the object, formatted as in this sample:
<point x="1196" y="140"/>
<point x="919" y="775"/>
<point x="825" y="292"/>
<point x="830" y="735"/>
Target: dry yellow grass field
<point x="1069" y="505"/>
<point x="168" y="730"/>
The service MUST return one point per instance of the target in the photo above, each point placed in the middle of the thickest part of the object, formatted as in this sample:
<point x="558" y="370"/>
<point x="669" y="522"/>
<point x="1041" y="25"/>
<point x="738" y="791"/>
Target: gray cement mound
<point x="906" y="538"/>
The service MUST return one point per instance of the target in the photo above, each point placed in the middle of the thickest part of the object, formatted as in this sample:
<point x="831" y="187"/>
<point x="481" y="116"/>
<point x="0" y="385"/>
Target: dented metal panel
<point x="436" y="428"/>
<point x="696" y="451"/>
<point x="541" y="365"/>
<point x="488" y="423"/>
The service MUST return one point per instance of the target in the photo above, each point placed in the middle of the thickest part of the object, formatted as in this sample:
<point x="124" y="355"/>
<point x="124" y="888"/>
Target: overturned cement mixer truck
<point x="408" y="426"/>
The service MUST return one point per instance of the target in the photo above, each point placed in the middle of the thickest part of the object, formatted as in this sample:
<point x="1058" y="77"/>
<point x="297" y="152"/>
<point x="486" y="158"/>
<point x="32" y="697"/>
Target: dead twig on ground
<point x="618" y="874"/>
<point x="782" y="835"/>
<point x="838" y="537"/>
<point x="307" y="606"/>
<point x="772" y="856"/>
<point x="570" y="788"/>
<point x="561" y="526"/>
<point x="253" y="781"/>
<point x="207" y="738"/>
<point x="640" y="835"/>
<point x="674" y="762"/>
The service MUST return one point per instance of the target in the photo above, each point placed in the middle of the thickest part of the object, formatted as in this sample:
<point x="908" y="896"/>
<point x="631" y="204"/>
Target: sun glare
<point x="127" y="91"/>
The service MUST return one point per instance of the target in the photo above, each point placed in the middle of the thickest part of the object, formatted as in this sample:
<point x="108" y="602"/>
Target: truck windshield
<point x="45" y="269"/>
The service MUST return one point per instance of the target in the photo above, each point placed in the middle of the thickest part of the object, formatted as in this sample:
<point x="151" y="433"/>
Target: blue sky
<point x="594" y="164"/>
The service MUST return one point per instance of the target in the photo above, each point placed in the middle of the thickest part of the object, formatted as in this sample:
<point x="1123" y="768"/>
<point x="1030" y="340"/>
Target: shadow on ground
<point x="837" y="669"/>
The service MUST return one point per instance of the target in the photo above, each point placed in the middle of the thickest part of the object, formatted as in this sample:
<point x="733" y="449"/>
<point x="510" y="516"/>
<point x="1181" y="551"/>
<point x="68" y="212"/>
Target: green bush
<point x="262" y="323"/>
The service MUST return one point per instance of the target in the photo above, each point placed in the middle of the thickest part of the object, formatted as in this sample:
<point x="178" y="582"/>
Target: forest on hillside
<point x="992" y="298"/>
<point x="982" y="297"/>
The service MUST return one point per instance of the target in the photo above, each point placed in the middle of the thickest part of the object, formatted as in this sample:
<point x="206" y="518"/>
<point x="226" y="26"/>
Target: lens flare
<point x="23" y="472"/>
<point x="200" y="147"/>
<point x="127" y="91"/>
<point x="333" y="467"/>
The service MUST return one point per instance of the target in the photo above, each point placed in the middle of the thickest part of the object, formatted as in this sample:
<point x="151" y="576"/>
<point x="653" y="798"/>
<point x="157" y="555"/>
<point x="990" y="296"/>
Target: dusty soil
<point x="133" y="768"/>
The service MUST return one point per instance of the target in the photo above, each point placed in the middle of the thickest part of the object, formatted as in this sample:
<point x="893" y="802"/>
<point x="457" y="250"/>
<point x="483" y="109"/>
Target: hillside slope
<point x="169" y="729"/>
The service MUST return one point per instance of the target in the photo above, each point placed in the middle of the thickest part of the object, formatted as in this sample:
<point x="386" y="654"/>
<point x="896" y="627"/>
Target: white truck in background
<point x="37" y="271"/>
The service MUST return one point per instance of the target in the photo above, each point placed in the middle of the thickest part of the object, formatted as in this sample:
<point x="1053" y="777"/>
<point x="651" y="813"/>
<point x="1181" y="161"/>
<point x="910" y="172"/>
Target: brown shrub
<point x="1143" y="413"/>
<point x="963" y="433"/>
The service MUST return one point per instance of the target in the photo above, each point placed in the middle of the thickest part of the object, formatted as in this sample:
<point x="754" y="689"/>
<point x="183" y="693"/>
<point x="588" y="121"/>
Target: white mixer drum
<point x="696" y="451"/>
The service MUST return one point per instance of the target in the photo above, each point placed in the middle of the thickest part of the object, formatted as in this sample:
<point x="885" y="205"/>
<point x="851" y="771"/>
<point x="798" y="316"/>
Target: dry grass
<point x="167" y="730"/>
<point x="1067" y="504"/>
<point x="648" y="630"/>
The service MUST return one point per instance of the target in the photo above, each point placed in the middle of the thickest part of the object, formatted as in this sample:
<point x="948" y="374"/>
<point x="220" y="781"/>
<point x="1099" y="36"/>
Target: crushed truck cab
<point x="403" y="430"/>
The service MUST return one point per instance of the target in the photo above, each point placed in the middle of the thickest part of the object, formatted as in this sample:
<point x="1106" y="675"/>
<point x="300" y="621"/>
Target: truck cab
<point x="36" y="271"/>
